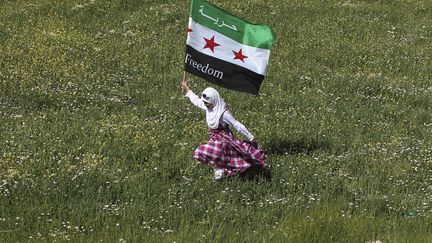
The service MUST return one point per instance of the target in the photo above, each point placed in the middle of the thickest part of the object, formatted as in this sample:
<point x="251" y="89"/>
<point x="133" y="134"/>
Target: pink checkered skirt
<point x="225" y="151"/>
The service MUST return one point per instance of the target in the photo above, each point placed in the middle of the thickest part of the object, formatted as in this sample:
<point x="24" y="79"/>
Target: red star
<point x="239" y="55"/>
<point x="210" y="44"/>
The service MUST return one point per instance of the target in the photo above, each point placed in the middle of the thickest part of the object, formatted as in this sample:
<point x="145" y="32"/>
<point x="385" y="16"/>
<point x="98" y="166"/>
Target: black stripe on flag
<point x="222" y="73"/>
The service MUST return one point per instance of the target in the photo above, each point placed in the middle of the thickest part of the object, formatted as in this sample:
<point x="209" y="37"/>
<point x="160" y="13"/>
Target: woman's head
<point x="215" y="107"/>
<point x="210" y="97"/>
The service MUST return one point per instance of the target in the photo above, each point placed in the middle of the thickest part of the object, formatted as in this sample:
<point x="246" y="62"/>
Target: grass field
<point x="96" y="137"/>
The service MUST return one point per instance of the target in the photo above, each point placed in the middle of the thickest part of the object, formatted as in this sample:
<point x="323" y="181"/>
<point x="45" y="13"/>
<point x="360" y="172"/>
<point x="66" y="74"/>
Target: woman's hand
<point x="254" y="143"/>
<point x="185" y="86"/>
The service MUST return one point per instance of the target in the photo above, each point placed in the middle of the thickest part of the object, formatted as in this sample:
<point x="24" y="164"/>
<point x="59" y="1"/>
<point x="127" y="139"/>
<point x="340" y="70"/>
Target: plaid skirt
<point x="225" y="151"/>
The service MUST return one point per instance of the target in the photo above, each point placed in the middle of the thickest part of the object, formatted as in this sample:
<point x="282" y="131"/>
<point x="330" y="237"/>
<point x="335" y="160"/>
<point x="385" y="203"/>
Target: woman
<point x="224" y="152"/>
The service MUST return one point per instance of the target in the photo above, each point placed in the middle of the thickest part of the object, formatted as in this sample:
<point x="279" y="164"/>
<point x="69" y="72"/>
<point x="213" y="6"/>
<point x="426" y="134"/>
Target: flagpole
<point x="184" y="79"/>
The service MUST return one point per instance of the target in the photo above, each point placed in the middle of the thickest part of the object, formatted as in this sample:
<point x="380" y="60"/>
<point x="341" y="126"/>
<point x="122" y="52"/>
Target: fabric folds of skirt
<point x="225" y="151"/>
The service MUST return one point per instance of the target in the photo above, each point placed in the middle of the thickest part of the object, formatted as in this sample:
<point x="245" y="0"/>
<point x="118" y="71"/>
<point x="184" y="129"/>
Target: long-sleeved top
<point x="226" y="117"/>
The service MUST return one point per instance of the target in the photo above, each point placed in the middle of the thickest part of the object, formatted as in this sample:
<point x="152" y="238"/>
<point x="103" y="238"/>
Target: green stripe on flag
<point x="219" y="20"/>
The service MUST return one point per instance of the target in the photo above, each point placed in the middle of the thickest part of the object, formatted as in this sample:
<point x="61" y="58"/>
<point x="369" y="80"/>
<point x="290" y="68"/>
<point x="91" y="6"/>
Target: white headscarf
<point x="213" y="115"/>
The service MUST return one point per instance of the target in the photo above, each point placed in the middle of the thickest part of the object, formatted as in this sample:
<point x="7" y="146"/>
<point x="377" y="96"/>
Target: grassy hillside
<point x="96" y="137"/>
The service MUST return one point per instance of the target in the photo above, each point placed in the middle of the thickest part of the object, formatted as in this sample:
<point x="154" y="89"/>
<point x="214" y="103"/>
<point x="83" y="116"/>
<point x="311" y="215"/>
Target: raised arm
<point x="228" y="118"/>
<point x="195" y="100"/>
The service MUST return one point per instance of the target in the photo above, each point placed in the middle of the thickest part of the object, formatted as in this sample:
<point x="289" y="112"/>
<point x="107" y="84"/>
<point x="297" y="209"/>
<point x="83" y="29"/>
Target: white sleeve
<point x="228" y="118"/>
<point x="196" y="101"/>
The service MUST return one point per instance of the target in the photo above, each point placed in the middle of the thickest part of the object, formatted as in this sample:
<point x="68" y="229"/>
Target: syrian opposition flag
<point x="226" y="50"/>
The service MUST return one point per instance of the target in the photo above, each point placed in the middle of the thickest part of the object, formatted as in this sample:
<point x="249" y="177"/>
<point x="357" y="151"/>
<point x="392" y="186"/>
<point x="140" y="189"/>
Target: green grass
<point x="96" y="136"/>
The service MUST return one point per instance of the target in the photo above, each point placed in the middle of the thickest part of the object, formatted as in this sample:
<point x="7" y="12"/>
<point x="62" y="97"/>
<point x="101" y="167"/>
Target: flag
<point x="226" y="50"/>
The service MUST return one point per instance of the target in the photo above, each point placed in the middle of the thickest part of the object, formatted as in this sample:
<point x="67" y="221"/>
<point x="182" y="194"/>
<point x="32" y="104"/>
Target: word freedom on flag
<point x="226" y="50"/>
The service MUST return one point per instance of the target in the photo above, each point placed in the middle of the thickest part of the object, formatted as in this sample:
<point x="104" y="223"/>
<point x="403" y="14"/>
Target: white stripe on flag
<point x="257" y="58"/>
